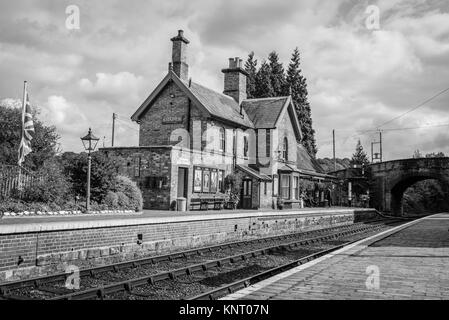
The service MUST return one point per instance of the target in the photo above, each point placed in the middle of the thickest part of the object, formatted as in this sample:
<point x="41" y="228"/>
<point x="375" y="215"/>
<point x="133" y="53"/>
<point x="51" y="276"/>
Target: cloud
<point x="123" y="86"/>
<point x="67" y="117"/>
<point x="357" y="78"/>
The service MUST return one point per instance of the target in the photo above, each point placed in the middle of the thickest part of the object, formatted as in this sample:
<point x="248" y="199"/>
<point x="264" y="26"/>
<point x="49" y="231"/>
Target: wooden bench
<point x="204" y="201"/>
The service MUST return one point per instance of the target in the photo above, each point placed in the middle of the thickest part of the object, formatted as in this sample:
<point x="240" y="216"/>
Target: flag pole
<point x="25" y="84"/>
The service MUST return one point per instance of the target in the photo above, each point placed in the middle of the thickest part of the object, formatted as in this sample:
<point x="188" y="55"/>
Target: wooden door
<point x="247" y="194"/>
<point x="182" y="182"/>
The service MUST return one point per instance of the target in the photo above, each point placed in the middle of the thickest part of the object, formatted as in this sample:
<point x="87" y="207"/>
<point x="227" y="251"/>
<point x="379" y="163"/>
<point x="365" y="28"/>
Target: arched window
<point x="222" y="137"/>
<point x="285" y="149"/>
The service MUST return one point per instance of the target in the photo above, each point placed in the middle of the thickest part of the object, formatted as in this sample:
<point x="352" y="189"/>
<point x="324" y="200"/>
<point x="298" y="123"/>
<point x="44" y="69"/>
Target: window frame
<point x="285" y="149"/>
<point x="296" y="187"/>
<point x="268" y="143"/>
<point x="222" y="139"/>
<point x="283" y="187"/>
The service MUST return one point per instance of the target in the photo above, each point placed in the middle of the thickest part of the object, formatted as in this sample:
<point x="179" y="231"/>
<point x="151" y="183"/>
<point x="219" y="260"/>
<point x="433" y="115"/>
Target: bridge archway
<point x="400" y="186"/>
<point x="389" y="180"/>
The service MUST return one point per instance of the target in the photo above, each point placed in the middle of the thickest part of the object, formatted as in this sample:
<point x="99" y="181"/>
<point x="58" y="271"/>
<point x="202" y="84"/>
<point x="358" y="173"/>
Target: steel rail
<point x="128" y="285"/>
<point x="88" y="272"/>
<point x="248" y="281"/>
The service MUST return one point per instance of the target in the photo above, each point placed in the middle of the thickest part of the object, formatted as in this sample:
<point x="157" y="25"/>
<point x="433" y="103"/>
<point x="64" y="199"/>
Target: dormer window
<point x="285" y="149"/>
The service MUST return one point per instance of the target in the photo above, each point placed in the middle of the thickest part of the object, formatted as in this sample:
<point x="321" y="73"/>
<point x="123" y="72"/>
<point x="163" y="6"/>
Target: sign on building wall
<point x="206" y="180"/>
<point x="172" y="119"/>
<point x="198" y="180"/>
<point x="213" y="180"/>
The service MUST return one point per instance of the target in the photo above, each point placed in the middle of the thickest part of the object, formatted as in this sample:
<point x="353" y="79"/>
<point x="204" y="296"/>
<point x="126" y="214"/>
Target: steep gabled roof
<point x="266" y="113"/>
<point x="220" y="105"/>
<point x="217" y="105"/>
<point x="305" y="162"/>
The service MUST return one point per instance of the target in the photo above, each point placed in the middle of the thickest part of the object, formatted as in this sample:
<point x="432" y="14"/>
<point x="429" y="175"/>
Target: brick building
<point x="192" y="137"/>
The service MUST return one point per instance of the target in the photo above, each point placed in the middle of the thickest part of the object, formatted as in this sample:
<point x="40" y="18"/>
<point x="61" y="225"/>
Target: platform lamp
<point x="90" y="143"/>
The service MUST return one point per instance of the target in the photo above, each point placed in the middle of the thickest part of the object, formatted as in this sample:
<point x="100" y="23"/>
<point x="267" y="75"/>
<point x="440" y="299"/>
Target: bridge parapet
<point x="389" y="180"/>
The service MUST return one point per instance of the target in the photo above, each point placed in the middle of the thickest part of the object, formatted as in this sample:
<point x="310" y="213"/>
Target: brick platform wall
<point x="49" y="251"/>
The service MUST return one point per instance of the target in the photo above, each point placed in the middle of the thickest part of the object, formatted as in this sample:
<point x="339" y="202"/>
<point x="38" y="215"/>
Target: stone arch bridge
<point x="389" y="180"/>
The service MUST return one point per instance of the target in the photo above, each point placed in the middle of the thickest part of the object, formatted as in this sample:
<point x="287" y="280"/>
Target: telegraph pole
<point x="380" y="141"/>
<point x="333" y="145"/>
<point x="114" y="116"/>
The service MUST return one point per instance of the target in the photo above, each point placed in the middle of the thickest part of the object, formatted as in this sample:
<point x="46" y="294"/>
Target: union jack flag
<point x="27" y="129"/>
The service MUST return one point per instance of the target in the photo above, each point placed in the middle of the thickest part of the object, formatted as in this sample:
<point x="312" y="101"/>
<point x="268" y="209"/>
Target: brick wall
<point x="171" y="103"/>
<point x="47" y="251"/>
<point x="142" y="163"/>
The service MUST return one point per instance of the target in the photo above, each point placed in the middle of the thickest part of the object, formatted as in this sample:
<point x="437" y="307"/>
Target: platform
<point x="411" y="262"/>
<point x="34" y="246"/>
<point x="10" y="225"/>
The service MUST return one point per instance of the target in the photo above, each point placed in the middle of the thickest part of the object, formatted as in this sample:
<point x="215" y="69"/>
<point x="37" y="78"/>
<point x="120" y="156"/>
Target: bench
<point x="203" y="202"/>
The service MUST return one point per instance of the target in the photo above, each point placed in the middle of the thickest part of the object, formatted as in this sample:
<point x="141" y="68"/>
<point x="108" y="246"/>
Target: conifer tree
<point x="298" y="85"/>
<point x="251" y="68"/>
<point x="263" y="88"/>
<point x="359" y="157"/>
<point x="277" y="76"/>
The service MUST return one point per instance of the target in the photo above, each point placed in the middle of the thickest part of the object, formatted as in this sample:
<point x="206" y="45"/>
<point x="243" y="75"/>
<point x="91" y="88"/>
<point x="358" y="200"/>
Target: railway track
<point x="188" y="267"/>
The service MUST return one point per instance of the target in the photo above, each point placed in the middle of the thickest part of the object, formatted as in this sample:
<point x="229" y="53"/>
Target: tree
<point x="45" y="140"/>
<point x="417" y="154"/>
<point x="435" y="155"/>
<point x="103" y="173"/>
<point x="359" y="157"/>
<point x="277" y="75"/>
<point x="251" y="68"/>
<point x="298" y="86"/>
<point x="263" y="88"/>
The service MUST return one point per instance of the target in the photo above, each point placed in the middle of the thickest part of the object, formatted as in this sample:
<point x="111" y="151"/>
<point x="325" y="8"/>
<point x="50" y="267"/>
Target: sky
<point x="360" y="74"/>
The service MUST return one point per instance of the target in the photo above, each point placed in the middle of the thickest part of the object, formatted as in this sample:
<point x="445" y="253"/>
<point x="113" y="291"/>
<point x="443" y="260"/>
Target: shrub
<point x="233" y="184"/>
<point x="132" y="192"/>
<point x="103" y="173"/>
<point x="122" y="200"/>
<point x="111" y="200"/>
<point x="54" y="188"/>
<point x="12" y="206"/>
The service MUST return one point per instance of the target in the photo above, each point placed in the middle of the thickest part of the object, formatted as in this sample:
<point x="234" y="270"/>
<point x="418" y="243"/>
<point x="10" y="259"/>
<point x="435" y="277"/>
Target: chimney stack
<point x="179" y="56"/>
<point x="235" y="80"/>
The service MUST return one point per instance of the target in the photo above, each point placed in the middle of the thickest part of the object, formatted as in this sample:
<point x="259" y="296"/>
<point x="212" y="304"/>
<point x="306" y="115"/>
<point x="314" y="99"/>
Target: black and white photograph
<point x="213" y="157"/>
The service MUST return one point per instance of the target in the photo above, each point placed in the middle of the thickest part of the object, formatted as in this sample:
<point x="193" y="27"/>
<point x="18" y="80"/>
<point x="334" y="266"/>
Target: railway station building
<point x="192" y="139"/>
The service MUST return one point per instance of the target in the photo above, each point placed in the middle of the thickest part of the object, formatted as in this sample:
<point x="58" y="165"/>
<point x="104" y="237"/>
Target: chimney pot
<point x="179" y="56"/>
<point x="235" y="80"/>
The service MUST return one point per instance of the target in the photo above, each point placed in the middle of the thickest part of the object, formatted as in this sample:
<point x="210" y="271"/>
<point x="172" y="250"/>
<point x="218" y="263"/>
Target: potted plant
<point x="232" y="184"/>
<point x="280" y="203"/>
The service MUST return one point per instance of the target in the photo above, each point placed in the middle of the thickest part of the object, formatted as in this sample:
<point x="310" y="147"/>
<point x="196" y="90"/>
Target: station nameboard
<point x="172" y="119"/>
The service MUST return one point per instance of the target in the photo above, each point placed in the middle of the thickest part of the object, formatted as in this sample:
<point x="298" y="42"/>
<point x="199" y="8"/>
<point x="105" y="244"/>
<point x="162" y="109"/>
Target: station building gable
<point x="192" y="137"/>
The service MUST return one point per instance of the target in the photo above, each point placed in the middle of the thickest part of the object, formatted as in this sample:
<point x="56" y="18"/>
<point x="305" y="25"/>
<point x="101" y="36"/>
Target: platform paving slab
<point x="412" y="261"/>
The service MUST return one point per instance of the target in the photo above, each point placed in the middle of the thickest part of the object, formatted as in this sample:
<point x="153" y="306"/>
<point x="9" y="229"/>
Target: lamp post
<point x="90" y="143"/>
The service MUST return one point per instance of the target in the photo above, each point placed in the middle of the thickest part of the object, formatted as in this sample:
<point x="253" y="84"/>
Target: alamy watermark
<point x="372" y="22"/>
<point x="73" y="277"/>
<point x="373" y="281"/>
<point x="73" y="20"/>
